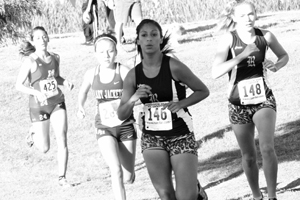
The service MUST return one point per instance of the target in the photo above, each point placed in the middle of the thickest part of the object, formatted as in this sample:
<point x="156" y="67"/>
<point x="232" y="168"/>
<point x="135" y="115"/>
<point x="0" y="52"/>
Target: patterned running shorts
<point x="172" y="144"/>
<point x="244" y="114"/>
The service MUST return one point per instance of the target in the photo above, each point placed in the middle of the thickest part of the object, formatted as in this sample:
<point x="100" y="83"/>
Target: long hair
<point x="164" y="46"/>
<point x="225" y="21"/>
<point x="26" y="48"/>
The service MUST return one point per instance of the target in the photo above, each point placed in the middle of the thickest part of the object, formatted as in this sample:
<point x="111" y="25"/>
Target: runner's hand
<point x="40" y="96"/>
<point x="68" y="85"/>
<point x="173" y="106"/>
<point x="250" y="49"/>
<point x="143" y="91"/>
<point x="269" y="65"/>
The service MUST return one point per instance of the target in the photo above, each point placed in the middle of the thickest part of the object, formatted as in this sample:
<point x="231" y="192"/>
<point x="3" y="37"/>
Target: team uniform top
<point x="108" y="92"/>
<point x="249" y="68"/>
<point x="44" y="80"/>
<point x="156" y="119"/>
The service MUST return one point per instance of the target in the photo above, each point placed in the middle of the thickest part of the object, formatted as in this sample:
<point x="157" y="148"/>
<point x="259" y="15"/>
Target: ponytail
<point x="26" y="48"/>
<point x="225" y="21"/>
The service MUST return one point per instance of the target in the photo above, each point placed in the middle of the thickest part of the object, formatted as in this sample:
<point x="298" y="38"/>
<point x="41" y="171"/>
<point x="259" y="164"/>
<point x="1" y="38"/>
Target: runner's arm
<point x="88" y="7"/>
<point x="60" y="80"/>
<point x="221" y="65"/>
<point x="183" y="74"/>
<point x="23" y="76"/>
<point x="130" y="95"/>
<point x="278" y="50"/>
<point x="124" y="71"/>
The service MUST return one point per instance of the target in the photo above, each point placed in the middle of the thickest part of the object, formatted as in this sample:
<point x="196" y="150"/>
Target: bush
<point x="60" y="18"/>
<point x="15" y="19"/>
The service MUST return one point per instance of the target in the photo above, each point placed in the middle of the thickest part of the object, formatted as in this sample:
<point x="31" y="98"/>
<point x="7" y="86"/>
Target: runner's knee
<point x="249" y="159"/>
<point x="267" y="150"/>
<point x="165" y="194"/>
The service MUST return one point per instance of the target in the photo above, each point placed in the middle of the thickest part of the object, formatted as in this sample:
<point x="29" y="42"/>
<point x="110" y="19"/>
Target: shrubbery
<point x="18" y="15"/>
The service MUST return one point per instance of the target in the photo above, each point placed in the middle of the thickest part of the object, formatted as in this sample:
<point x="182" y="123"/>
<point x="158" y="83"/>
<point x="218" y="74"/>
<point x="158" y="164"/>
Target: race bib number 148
<point x="252" y="91"/>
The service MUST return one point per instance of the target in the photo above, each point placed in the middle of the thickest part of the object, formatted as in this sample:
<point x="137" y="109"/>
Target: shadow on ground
<point x="286" y="145"/>
<point x="201" y="28"/>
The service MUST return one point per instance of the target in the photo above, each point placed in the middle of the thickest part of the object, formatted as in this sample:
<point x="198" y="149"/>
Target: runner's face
<point x="40" y="40"/>
<point x="105" y="52"/>
<point x="149" y="38"/>
<point x="244" y="16"/>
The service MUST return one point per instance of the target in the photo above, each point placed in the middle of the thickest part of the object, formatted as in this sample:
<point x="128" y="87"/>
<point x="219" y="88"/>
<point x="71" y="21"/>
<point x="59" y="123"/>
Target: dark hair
<point x="225" y="19"/>
<point x="107" y="35"/>
<point x="164" y="46"/>
<point x="26" y="48"/>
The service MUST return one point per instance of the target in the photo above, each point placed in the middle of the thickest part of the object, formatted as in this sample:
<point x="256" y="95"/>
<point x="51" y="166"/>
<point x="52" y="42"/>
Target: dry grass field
<point x="27" y="174"/>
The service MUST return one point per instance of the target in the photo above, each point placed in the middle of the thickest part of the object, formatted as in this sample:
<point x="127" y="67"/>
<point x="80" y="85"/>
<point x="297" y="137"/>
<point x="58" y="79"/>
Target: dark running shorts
<point x="243" y="114"/>
<point x="172" y="144"/>
<point x="121" y="133"/>
<point x="44" y="113"/>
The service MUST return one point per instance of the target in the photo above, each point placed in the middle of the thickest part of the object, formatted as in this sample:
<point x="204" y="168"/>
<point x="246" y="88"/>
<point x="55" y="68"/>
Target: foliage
<point x="58" y="18"/>
<point x="15" y="18"/>
<point x="169" y="11"/>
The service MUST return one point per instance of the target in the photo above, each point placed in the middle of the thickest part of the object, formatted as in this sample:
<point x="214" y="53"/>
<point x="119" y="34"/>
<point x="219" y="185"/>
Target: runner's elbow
<point x="121" y="115"/>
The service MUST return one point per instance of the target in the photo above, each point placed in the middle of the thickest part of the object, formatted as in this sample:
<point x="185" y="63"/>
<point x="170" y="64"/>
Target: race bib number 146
<point x="157" y="117"/>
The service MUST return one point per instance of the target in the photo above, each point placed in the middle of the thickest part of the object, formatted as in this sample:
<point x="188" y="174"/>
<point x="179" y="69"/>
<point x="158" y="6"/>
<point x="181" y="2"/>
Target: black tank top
<point x="165" y="88"/>
<point x="251" y="67"/>
<point x="105" y="92"/>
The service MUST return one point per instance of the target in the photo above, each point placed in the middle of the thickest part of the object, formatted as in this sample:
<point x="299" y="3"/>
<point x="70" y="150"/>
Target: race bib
<point x="49" y="87"/>
<point x="108" y="113"/>
<point x="252" y="91"/>
<point x="157" y="118"/>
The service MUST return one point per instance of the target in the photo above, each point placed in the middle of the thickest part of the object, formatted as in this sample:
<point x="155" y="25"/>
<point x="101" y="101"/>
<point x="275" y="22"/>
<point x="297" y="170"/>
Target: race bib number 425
<point x="252" y="91"/>
<point x="157" y="117"/>
<point x="108" y="113"/>
<point x="49" y="87"/>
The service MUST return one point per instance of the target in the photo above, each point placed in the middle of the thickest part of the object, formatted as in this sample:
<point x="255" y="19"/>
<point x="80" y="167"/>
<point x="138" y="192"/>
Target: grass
<point x="28" y="174"/>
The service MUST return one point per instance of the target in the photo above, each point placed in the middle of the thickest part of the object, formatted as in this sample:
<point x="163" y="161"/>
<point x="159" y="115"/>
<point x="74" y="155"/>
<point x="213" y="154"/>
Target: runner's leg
<point x="60" y="127"/>
<point x="160" y="169"/>
<point x="127" y="150"/>
<point x="109" y="148"/>
<point x="245" y="137"/>
<point x="265" y="120"/>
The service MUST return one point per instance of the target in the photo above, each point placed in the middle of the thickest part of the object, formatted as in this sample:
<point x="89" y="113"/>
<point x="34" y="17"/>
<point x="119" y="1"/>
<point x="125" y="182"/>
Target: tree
<point x="15" y="18"/>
